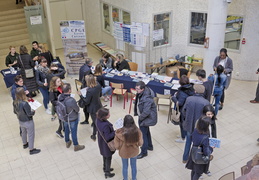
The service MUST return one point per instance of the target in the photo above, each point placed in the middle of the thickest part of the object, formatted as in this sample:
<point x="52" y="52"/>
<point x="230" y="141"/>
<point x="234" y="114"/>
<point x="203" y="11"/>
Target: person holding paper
<point x="25" y="115"/>
<point x="127" y="140"/>
<point x="121" y="63"/>
<point x="41" y="79"/>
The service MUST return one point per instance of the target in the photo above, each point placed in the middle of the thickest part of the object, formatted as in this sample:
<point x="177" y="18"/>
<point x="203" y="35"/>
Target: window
<point x="233" y="32"/>
<point x="106" y="17"/>
<point x="198" y="28"/>
<point x="126" y="17"/>
<point x="115" y="15"/>
<point x="161" y="29"/>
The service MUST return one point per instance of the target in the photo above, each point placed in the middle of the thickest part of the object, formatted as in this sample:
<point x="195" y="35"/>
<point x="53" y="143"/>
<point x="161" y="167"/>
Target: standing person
<point x="35" y="52"/>
<point x="220" y="83"/>
<point x="121" y="63"/>
<point x="71" y="125"/>
<point x="12" y="58"/>
<point x="55" y="89"/>
<point x="146" y="110"/>
<point x="24" y="113"/>
<point x="106" y="90"/>
<point x="179" y="97"/>
<point x="18" y="82"/>
<point x="200" y="137"/>
<point x="127" y="140"/>
<point x="209" y="111"/>
<point x="25" y="62"/>
<point x="201" y="74"/>
<point x="227" y="63"/>
<point x="256" y="100"/>
<point x="192" y="111"/>
<point x="92" y="100"/>
<point x="105" y="134"/>
<point x="106" y="61"/>
<point x="54" y="70"/>
<point x="85" y="69"/>
<point x="41" y="79"/>
<point x="46" y="54"/>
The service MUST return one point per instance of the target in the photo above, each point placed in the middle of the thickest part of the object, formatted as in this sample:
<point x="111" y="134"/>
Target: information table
<point x="9" y="77"/>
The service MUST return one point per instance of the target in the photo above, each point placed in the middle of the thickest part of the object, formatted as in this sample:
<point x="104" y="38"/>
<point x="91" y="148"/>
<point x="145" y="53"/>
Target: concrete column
<point x="215" y="30"/>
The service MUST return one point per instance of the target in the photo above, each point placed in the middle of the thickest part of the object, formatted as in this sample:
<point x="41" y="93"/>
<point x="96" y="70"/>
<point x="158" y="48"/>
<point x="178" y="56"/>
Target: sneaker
<point x="84" y="122"/>
<point x="93" y="137"/>
<point x="48" y="111"/>
<point x="180" y="140"/>
<point x="201" y="177"/>
<point x="25" y="146"/>
<point x="184" y="162"/>
<point x="208" y="173"/>
<point x="53" y="118"/>
<point x="59" y="134"/>
<point x="78" y="147"/>
<point x="34" y="151"/>
<point x="211" y="157"/>
<point x="178" y="136"/>
<point x="68" y="144"/>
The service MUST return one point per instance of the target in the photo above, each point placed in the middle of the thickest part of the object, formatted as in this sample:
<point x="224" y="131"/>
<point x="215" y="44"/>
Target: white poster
<point x="35" y="20"/>
<point x="158" y="34"/>
<point x="118" y="30"/>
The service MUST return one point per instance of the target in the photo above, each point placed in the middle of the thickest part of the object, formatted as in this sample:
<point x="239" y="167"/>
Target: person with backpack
<point x="68" y="112"/>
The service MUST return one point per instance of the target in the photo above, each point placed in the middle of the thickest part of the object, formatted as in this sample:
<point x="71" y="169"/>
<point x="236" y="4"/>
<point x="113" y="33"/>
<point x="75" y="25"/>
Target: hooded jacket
<point x="71" y="106"/>
<point x="127" y="150"/>
<point x="183" y="92"/>
<point x="147" y="108"/>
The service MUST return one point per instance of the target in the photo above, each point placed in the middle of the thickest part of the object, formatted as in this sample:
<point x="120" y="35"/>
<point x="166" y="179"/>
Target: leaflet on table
<point x="83" y="91"/>
<point x="132" y="72"/>
<point x="146" y="80"/>
<point x="159" y="77"/>
<point x="176" y="86"/>
<point x="109" y="75"/>
<point x="6" y="72"/>
<point x="118" y="124"/>
<point x="214" y="142"/>
<point x="195" y="81"/>
<point x="35" y="104"/>
<point x="175" y="82"/>
<point x="168" y="84"/>
<point x="167" y="78"/>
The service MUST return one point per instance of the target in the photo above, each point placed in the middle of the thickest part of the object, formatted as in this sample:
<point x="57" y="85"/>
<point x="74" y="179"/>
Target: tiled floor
<point x="237" y="127"/>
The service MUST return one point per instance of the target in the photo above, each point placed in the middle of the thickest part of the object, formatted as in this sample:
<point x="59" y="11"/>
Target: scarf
<point x="44" y="70"/>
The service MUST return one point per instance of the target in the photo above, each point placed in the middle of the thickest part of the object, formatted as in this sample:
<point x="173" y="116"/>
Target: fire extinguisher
<point x="243" y="40"/>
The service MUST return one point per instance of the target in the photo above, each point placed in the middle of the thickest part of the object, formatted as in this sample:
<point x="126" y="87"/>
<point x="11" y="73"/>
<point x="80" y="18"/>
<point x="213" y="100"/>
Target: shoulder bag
<point x="110" y="144"/>
<point x="29" y="73"/>
<point x="197" y="154"/>
<point x="175" y="116"/>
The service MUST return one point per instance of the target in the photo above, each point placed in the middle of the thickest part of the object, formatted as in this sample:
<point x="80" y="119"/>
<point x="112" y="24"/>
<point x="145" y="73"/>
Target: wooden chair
<point x="133" y="66"/>
<point x="78" y="84"/>
<point x="132" y="97"/>
<point x="118" y="90"/>
<point x="164" y="100"/>
<point x="228" y="176"/>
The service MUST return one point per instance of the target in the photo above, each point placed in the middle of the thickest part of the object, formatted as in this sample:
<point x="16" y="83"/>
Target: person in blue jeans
<point x="127" y="140"/>
<point x="219" y="79"/>
<point x="72" y="110"/>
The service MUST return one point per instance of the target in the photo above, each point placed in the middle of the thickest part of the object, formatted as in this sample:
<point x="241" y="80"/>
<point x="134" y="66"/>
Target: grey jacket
<point x="23" y="111"/>
<point x="228" y="69"/>
<point x="71" y="106"/>
<point x="192" y="111"/>
<point x="147" y="108"/>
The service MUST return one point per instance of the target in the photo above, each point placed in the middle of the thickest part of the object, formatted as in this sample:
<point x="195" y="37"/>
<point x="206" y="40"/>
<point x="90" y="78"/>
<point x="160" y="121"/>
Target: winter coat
<point x="227" y="69"/>
<point x="83" y="71"/>
<point x="192" y="111"/>
<point x="41" y="78"/>
<point x="127" y="150"/>
<point x="23" y="111"/>
<point x="53" y="97"/>
<point x="48" y="56"/>
<point x="208" y="89"/>
<point x="28" y="63"/>
<point x="92" y="99"/>
<point x="106" y="128"/>
<point x="147" y="108"/>
<point x="13" y="89"/>
<point x="10" y="59"/>
<point x="34" y="52"/>
<point x="182" y="93"/>
<point x="71" y="106"/>
<point x="57" y="73"/>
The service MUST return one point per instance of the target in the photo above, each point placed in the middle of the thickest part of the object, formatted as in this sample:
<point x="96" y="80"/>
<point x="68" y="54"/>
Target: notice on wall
<point x="118" y="30"/>
<point x="74" y="43"/>
<point x="126" y="33"/>
<point x="35" y="20"/>
<point x="158" y="34"/>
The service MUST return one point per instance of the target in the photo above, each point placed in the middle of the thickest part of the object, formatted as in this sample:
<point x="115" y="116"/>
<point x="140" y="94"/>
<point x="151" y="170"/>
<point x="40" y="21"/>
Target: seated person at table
<point x="106" y="61"/>
<point x="35" y="52"/>
<point x="18" y="82"/>
<point x="121" y="63"/>
<point x="12" y="57"/>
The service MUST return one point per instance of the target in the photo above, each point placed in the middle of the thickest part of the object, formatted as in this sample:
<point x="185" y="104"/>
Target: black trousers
<point x="195" y="175"/>
<point x="86" y="114"/>
<point x="107" y="164"/>
<point x="257" y="93"/>
<point x="93" y="116"/>
<point x="60" y="127"/>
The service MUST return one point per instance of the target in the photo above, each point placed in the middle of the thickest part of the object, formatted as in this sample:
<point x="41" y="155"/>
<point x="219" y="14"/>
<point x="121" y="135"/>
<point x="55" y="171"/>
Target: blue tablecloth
<point x="9" y="78"/>
<point x="128" y="83"/>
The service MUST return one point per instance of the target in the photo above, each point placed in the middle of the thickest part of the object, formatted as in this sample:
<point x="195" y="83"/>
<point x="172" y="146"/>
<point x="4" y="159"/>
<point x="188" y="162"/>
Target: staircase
<point x="13" y="28"/>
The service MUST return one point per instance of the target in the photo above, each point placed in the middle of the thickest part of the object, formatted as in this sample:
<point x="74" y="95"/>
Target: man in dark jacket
<point x="35" y="52"/>
<point x="192" y="111"/>
<point x="85" y="69"/>
<point x="72" y="110"/>
<point x="146" y="110"/>
<point x="201" y="74"/>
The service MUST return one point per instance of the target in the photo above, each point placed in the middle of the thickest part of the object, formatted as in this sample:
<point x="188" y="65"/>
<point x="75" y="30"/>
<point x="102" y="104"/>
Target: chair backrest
<point x="78" y="84"/>
<point x="162" y="96"/>
<point x="117" y="85"/>
<point x="228" y="176"/>
<point x="133" y="66"/>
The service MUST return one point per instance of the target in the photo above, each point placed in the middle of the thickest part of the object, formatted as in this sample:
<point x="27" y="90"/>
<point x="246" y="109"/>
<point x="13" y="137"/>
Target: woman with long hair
<point x="219" y="79"/>
<point x="209" y="111"/>
<point x="127" y="140"/>
<point x="55" y="89"/>
<point x="25" y="115"/>
<point x="92" y="99"/>
<point x="106" y="90"/>
<point x="106" y="61"/>
<point x="44" y="52"/>
<point x="105" y="134"/>
<point x="121" y="63"/>
<point x="200" y="137"/>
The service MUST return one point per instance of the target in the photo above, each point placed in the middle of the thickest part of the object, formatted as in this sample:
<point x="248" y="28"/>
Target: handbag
<point x="111" y="144"/>
<point x="81" y="102"/>
<point x="197" y="155"/>
<point x="175" y="116"/>
<point x="29" y="73"/>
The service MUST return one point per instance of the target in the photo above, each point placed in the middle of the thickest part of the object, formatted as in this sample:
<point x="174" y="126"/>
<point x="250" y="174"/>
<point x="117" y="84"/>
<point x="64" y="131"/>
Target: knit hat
<point x="199" y="89"/>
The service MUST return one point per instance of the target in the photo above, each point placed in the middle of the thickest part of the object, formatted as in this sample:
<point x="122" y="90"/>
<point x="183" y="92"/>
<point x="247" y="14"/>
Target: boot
<point x="68" y="144"/>
<point x="78" y="147"/>
<point x="109" y="175"/>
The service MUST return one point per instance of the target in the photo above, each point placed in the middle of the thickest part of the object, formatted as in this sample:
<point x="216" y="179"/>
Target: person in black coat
<point x="85" y="69"/>
<point x="121" y="63"/>
<point x="92" y="99"/>
<point x="46" y="54"/>
<point x="25" y="62"/>
<point x="180" y="96"/>
<point x="106" y="134"/>
<point x="200" y="137"/>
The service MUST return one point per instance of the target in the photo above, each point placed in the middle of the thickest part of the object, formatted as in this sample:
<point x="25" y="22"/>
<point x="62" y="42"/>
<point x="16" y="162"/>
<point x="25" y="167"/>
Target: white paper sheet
<point x="35" y="105"/>
<point x="167" y="91"/>
<point x="83" y="91"/>
<point x="118" y="124"/>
